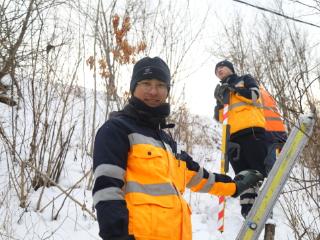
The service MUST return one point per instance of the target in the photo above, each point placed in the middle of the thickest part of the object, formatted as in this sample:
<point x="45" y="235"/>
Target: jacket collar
<point x="153" y="117"/>
<point x="231" y="79"/>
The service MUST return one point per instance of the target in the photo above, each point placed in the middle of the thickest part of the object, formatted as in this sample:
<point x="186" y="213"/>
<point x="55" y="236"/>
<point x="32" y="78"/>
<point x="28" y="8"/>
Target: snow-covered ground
<point x="52" y="214"/>
<point x="59" y="217"/>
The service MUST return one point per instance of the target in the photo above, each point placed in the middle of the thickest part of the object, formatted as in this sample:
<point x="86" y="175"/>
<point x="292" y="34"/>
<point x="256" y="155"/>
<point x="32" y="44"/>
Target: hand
<point x="220" y="91"/>
<point x="232" y="88"/>
<point x="246" y="179"/>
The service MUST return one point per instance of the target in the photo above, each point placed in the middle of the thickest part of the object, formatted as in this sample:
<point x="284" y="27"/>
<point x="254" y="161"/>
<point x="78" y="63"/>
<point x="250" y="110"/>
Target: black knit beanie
<point x="150" y="68"/>
<point x="224" y="63"/>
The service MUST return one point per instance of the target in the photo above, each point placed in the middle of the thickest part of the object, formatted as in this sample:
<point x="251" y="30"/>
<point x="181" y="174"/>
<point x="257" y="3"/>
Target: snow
<point x="52" y="214"/>
<point x="73" y="223"/>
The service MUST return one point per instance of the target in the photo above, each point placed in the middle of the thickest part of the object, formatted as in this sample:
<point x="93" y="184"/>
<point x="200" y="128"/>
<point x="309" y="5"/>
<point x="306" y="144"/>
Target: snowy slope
<point x="60" y="217"/>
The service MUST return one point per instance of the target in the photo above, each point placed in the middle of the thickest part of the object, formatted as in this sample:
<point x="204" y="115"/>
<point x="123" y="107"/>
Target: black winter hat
<point x="225" y="63"/>
<point x="149" y="68"/>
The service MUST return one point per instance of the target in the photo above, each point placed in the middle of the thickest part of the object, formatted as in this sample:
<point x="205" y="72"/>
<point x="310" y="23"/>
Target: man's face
<point x="223" y="72"/>
<point x="151" y="91"/>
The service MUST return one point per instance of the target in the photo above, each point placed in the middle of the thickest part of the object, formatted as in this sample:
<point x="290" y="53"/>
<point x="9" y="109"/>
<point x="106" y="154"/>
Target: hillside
<point x="50" y="213"/>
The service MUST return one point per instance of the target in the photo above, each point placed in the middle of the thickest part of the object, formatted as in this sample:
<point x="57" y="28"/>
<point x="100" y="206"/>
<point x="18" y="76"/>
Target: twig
<point x="83" y="207"/>
<point x="71" y="188"/>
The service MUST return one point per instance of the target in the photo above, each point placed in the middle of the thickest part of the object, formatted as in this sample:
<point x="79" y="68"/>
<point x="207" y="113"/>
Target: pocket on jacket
<point x="151" y="219"/>
<point x="149" y="159"/>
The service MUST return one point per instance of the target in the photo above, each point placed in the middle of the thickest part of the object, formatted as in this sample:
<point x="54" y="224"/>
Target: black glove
<point x="232" y="88"/>
<point x="220" y="91"/>
<point x="246" y="179"/>
<point x="129" y="237"/>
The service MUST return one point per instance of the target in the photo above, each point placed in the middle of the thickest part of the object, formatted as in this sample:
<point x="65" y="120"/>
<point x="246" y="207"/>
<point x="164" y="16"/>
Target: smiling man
<point x="139" y="175"/>
<point x="150" y="81"/>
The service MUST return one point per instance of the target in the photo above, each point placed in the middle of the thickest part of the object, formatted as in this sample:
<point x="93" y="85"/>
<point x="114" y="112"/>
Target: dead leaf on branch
<point x="90" y="62"/>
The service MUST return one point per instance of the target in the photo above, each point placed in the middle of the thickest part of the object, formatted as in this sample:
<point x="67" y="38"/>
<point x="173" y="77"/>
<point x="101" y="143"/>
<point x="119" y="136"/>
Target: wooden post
<point x="269" y="231"/>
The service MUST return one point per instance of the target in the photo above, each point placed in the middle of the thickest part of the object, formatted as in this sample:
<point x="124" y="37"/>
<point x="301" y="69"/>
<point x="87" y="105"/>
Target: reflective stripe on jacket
<point x="152" y="180"/>
<point x="243" y="113"/>
<point x="274" y="122"/>
<point x="155" y="180"/>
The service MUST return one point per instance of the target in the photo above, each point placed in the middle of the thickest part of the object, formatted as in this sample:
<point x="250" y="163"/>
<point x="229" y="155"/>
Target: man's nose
<point x="153" y="90"/>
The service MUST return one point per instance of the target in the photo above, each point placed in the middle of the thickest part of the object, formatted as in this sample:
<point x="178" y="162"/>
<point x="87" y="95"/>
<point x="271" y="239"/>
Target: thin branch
<point x="44" y="175"/>
<point x="277" y="13"/>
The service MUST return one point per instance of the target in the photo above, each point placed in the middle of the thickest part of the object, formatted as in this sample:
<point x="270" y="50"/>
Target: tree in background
<point x="68" y="62"/>
<point x="140" y="28"/>
<point x="279" y="55"/>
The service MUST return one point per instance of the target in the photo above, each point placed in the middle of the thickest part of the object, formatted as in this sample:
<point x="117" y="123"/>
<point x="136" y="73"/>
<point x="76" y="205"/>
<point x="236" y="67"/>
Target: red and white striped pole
<point x="224" y="161"/>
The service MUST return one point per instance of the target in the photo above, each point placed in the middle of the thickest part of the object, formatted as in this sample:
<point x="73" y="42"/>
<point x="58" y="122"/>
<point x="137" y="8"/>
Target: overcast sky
<point x="201" y="83"/>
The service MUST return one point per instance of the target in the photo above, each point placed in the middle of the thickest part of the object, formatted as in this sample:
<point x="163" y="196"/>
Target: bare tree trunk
<point x="269" y="231"/>
<point x="279" y="56"/>
<point x="93" y="130"/>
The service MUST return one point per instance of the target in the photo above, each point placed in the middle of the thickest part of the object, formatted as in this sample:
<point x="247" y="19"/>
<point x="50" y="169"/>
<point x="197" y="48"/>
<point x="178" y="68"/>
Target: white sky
<point x="200" y="85"/>
<point x="198" y="69"/>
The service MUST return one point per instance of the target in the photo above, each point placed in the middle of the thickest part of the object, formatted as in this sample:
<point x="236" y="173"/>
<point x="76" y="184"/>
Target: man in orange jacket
<point x="139" y="174"/>
<point x="247" y="124"/>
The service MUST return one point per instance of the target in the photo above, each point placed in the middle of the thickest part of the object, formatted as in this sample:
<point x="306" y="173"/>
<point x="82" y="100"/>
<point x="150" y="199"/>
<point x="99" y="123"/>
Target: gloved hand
<point x="246" y="179"/>
<point x="232" y="88"/>
<point x="220" y="91"/>
<point x="129" y="237"/>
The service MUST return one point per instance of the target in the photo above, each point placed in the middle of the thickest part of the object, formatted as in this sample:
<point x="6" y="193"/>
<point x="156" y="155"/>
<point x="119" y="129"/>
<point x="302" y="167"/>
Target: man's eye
<point x="146" y="84"/>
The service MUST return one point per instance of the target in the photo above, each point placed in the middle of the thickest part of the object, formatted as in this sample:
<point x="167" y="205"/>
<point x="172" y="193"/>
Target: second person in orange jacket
<point x="247" y="123"/>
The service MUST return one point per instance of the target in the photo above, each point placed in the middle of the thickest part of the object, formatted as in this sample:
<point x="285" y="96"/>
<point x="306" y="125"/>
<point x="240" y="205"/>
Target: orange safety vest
<point x="274" y="122"/>
<point x="154" y="182"/>
<point x="243" y="113"/>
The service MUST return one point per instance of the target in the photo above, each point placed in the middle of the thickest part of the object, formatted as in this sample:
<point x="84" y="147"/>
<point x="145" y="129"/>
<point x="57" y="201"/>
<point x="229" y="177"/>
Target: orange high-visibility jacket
<point x="140" y="179"/>
<point x="274" y="122"/>
<point x="155" y="180"/>
<point x="243" y="113"/>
